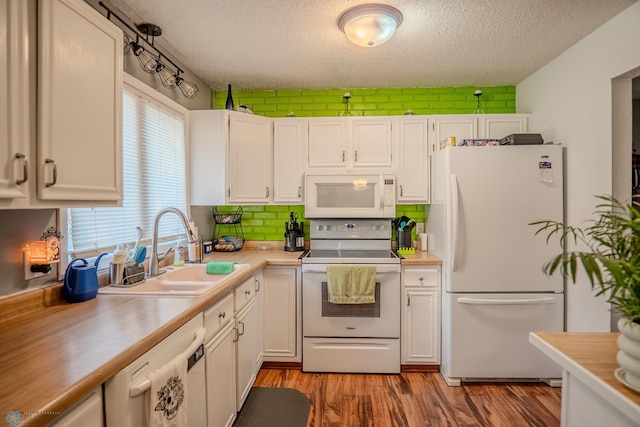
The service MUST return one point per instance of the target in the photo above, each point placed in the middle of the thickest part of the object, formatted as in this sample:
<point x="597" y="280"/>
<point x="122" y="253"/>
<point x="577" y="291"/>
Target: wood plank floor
<point x="416" y="399"/>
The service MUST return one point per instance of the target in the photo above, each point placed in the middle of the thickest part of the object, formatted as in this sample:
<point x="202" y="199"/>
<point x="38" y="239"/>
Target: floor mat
<point x="274" y="407"/>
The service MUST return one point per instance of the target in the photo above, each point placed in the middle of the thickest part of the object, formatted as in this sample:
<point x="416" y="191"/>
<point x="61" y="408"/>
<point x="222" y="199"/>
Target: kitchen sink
<point x="190" y="280"/>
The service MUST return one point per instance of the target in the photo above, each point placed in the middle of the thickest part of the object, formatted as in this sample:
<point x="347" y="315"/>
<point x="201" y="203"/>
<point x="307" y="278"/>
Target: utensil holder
<point x="403" y="239"/>
<point x="116" y="273"/>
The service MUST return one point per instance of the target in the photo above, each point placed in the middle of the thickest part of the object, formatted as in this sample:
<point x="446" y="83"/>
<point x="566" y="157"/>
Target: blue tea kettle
<point x="81" y="282"/>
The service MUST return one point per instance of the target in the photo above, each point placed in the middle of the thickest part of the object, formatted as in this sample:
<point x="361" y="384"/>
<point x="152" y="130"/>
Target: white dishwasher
<point x="126" y="393"/>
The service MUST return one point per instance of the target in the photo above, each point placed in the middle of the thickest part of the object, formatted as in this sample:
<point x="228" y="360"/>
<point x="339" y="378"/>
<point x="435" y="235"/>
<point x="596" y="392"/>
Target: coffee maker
<point x="293" y="234"/>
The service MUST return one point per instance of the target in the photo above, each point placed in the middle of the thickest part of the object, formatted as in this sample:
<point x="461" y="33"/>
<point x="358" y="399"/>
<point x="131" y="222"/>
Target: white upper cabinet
<point x="497" y="126"/>
<point x="328" y="142"/>
<point x="14" y="107"/>
<point x="64" y="66"/>
<point x="349" y="142"/>
<point x="473" y="126"/>
<point x="289" y="142"/>
<point x="413" y="164"/>
<point x="79" y="103"/>
<point x="460" y="126"/>
<point x="371" y="142"/>
<point x="231" y="158"/>
<point x="250" y="159"/>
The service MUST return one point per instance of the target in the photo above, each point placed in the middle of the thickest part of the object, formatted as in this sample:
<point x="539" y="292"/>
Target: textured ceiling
<point x="295" y="44"/>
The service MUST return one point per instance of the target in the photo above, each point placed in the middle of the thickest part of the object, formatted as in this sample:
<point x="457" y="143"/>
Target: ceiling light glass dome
<point x="370" y="25"/>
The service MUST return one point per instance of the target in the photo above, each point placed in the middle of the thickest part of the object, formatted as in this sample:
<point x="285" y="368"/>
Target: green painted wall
<point x="374" y="102"/>
<point x="267" y="222"/>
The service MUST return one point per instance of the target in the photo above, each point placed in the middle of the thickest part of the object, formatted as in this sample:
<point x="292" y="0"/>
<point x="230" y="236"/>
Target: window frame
<point x="139" y="88"/>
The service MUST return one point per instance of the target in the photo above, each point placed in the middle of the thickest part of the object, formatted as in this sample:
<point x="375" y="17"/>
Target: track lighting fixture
<point x="148" y="62"/>
<point x="189" y="90"/>
<point x="167" y="78"/>
<point x="151" y="59"/>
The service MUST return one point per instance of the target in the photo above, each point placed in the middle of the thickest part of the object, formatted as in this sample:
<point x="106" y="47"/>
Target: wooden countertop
<point x="591" y="356"/>
<point x="54" y="353"/>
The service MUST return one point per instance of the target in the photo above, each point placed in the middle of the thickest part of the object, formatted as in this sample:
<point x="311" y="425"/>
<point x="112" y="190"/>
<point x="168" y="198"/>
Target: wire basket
<point x="231" y="239"/>
<point x="228" y="244"/>
<point x="227" y="217"/>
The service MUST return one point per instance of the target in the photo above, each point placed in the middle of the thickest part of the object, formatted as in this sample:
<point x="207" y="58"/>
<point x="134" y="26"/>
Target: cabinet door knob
<point x="355" y="156"/>
<point x="342" y="156"/>
<point x="299" y="191"/>
<point x="222" y="315"/>
<point x="25" y="168"/>
<point x="401" y="190"/>
<point x="408" y="300"/>
<point x="257" y="285"/>
<point x="237" y="335"/>
<point x="241" y="333"/>
<point x="54" y="171"/>
<point x="421" y="278"/>
<point x="267" y="191"/>
<point x="247" y="292"/>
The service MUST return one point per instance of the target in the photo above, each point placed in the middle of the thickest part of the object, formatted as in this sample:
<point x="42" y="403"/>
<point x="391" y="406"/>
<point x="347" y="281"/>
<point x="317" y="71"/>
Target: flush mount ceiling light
<point x="369" y="25"/>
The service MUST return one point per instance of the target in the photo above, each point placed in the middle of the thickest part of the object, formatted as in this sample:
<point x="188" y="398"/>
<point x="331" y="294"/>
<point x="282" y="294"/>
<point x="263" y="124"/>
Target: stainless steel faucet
<point x="153" y="258"/>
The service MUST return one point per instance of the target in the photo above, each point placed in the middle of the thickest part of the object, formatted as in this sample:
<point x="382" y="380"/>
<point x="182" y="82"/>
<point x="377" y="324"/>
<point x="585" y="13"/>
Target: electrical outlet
<point x="420" y="227"/>
<point x="26" y="260"/>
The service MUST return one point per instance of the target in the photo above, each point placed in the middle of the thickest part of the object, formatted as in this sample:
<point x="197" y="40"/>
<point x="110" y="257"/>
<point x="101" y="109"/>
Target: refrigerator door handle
<point x="527" y="301"/>
<point x="455" y="218"/>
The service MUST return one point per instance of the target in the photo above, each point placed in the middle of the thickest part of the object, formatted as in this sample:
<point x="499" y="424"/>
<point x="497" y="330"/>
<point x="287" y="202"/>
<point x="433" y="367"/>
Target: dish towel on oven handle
<point x="351" y="284"/>
<point x="167" y="402"/>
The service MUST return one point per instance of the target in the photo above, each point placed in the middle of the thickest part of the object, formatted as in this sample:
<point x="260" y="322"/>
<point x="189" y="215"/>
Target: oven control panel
<point x="351" y="229"/>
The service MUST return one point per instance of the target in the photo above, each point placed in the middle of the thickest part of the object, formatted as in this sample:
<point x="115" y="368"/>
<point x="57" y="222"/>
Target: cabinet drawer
<point x="216" y="316"/>
<point x="244" y="293"/>
<point x="421" y="277"/>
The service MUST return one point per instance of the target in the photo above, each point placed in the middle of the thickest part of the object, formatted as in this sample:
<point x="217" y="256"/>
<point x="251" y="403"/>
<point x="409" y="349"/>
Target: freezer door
<point x="487" y="336"/>
<point x="494" y="193"/>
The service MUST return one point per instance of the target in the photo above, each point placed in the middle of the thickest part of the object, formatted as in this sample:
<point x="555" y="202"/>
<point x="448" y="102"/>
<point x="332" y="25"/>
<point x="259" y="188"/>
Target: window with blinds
<point x="154" y="172"/>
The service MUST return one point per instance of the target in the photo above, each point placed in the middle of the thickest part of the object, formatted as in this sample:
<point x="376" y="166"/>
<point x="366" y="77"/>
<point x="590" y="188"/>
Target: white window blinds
<point x="154" y="172"/>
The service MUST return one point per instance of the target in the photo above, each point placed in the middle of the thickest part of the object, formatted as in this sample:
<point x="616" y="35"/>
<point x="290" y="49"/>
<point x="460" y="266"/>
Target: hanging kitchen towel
<point x="348" y="284"/>
<point x="167" y="403"/>
<point x="220" y="267"/>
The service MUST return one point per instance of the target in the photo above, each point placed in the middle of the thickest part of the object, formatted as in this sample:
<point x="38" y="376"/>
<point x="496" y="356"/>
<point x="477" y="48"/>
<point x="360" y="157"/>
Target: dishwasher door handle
<point x="145" y="383"/>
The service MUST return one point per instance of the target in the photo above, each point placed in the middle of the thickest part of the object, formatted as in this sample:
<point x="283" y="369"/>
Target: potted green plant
<point x="611" y="261"/>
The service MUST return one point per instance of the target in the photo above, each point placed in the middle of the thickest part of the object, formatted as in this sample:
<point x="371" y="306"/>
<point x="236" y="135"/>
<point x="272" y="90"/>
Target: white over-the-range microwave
<point x="357" y="194"/>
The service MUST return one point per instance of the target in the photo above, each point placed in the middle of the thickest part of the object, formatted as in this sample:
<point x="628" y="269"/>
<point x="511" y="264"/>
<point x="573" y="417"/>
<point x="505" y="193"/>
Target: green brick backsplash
<point x="373" y="102"/>
<point x="267" y="222"/>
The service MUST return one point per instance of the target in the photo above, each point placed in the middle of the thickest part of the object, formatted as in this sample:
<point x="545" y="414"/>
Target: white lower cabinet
<point x="421" y="315"/>
<point x="87" y="412"/>
<point x="282" y="319"/>
<point x="258" y="279"/>
<point x="248" y="337"/>
<point x="233" y="350"/>
<point x="220" y="356"/>
<point x="246" y="351"/>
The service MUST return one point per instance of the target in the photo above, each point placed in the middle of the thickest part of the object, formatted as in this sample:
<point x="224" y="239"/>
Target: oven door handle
<point x="325" y="272"/>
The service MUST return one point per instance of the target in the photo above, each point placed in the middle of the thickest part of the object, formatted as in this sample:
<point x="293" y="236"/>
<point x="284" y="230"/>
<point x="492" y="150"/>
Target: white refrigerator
<point x="494" y="289"/>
